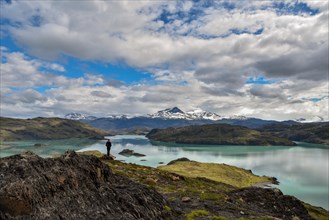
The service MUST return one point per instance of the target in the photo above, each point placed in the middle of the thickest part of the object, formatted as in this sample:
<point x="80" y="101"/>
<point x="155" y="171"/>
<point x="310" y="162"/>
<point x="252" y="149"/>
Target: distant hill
<point x="221" y="134"/>
<point x="317" y="133"/>
<point x="46" y="128"/>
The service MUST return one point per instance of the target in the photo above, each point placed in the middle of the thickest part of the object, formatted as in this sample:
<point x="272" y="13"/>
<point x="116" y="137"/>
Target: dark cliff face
<point x="72" y="187"/>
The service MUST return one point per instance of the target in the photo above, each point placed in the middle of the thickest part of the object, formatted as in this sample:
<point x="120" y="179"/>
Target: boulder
<point x="72" y="186"/>
<point x="105" y="157"/>
<point x="269" y="202"/>
<point x="128" y="152"/>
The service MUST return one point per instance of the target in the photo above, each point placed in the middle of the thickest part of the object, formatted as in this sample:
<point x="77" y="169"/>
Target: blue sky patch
<point x="315" y="99"/>
<point x="245" y="31"/>
<point x="259" y="80"/>
<point x="295" y="8"/>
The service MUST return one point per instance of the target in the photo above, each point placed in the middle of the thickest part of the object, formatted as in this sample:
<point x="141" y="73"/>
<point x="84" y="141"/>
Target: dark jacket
<point x="108" y="144"/>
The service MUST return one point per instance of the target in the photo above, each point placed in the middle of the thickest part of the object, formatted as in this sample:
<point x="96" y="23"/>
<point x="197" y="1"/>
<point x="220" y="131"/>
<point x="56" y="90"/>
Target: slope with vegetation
<point x="194" y="192"/>
<point x="46" y="128"/>
<point x="76" y="186"/>
<point x="316" y="133"/>
<point x="221" y="134"/>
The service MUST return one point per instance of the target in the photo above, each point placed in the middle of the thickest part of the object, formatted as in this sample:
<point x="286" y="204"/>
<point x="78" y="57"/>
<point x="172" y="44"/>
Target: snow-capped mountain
<point x="176" y="113"/>
<point x="79" y="116"/>
<point x="201" y="114"/>
<point x="169" y="113"/>
<point x="236" y="117"/>
<point x="119" y="116"/>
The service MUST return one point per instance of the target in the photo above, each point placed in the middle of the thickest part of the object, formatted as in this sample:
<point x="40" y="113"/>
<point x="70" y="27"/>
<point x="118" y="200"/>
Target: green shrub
<point x="196" y="213"/>
<point x="167" y="208"/>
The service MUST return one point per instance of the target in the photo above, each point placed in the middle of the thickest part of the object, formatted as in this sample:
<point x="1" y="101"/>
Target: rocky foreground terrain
<point x="86" y="187"/>
<point x="72" y="187"/>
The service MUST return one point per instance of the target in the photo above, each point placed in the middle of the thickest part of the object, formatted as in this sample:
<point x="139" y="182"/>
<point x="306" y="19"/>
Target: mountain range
<point x="196" y="114"/>
<point x="171" y="117"/>
<point x="294" y="130"/>
<point x="169" y="113"/>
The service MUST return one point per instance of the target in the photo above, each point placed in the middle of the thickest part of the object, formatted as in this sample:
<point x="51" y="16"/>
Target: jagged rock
<point x="128" y="152"/>
<point x="105" y="157"/>
<point x="269" y="202"/>
<point x="186" y="199"/>
<point x="72" y="187"/>
<point x="150" y="181"/>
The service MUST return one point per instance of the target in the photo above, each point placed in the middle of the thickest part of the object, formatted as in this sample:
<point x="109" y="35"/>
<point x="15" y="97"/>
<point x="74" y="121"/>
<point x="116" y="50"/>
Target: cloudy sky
<point x="266" y="59"/>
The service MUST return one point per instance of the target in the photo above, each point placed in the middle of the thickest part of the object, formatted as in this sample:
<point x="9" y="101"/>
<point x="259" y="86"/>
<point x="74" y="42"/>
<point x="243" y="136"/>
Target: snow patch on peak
<point x="169" y="113"/>
<point x="119" y="116"/>
<point x="79" y="116"/>
<point x="237" y="117"/>
<point x="176" y="113"/>
<point x="201" y="114"/>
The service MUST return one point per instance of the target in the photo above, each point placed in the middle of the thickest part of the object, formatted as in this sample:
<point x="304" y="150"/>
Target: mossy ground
<point x="223" y="173"/>
<point x="207" y="185"/>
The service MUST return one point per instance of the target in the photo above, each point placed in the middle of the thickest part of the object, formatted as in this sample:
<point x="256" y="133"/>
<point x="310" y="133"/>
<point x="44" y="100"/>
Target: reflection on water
<point x="302" y="170"/>
<point x="44" y="148"/>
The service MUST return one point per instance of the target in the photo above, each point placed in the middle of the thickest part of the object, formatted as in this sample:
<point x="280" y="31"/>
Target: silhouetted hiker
<point x="108" y="146"/>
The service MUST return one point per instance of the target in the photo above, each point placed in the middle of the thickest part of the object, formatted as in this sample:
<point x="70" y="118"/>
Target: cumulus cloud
<point x="18" y="70"/>
<point x="100" y="94"/>
<point x="21" y="71"/>
<point x="310" y="64"/>
<point x="198" y="53"/>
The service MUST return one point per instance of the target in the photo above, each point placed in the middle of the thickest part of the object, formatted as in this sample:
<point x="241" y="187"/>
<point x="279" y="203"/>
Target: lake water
<point x="302" y="170"/>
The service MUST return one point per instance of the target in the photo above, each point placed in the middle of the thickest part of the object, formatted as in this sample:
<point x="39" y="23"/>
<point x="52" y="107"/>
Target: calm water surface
<point x="302" y="170"/>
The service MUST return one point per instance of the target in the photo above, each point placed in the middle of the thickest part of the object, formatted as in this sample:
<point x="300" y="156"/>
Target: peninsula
<point x="217" y="134"/>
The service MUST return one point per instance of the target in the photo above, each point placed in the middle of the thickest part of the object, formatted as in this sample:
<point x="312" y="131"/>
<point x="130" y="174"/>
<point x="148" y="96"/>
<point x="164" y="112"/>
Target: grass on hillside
<point x="223" y="173"/>
<point x="205" y="182"/>
<point x="45" y="128"/>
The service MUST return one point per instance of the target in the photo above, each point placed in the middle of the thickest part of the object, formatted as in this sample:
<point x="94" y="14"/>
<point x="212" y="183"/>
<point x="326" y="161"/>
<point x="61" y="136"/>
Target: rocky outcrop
<point x="127" y="152"/>
<point x="72" y="187"/>
<point x="268" y="202"/>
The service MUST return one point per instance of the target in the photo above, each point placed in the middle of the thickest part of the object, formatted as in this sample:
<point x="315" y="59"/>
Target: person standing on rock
<point x="108" y="146"/>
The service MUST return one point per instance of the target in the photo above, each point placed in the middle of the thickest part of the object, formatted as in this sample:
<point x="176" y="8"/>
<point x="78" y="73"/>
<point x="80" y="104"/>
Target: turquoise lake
<point x="302" y="170"/>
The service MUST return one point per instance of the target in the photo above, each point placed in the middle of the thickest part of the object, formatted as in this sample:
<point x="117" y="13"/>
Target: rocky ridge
<point x="72" y="187"/>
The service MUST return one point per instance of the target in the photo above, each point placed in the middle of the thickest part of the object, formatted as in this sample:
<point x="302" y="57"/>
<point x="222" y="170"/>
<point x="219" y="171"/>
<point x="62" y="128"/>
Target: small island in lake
<point x="217" y="134"/>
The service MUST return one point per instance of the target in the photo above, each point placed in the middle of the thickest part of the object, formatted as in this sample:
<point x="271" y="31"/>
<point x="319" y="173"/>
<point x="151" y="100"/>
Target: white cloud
<point x="195" y="61"/>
